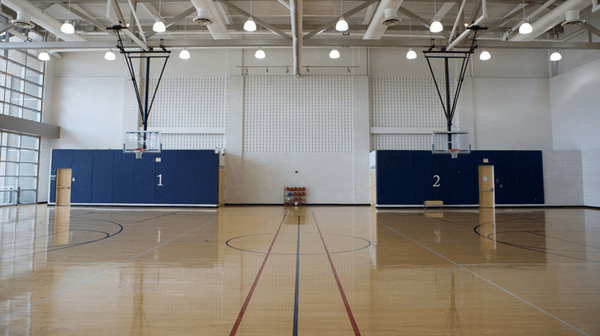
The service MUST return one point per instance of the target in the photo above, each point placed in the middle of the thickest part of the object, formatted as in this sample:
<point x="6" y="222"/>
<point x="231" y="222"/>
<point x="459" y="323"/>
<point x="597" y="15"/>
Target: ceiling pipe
<point x="466" y="33"/>
<point x="217" y="26"/>
<point x="296" y="16"/>
<point x="458" y="17"/>
<point x="40" y="18"/>
<point x="376" y="29"/>
<point x="551" y="19"/>
<point x="527" y="19"/>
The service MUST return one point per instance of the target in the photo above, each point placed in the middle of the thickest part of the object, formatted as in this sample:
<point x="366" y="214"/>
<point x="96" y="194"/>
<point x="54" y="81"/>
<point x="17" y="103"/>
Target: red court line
<point x="339" y="284"/>
<point x="243" y="310"/>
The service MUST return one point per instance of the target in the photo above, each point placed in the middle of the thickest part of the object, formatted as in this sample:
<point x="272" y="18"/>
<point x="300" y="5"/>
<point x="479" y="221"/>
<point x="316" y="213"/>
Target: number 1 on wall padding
<point x="159" y="180"/>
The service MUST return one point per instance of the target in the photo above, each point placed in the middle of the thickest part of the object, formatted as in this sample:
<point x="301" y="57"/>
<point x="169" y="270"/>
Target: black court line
<point x="528" y="248"/>
<point x="296" y="290"/>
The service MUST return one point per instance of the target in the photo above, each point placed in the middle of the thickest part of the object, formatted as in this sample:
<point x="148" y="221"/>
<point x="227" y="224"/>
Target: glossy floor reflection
<point x="304" y="271"/>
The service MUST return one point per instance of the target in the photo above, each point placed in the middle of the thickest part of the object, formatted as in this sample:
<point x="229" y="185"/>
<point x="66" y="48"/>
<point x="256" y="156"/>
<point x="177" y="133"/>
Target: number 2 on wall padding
<point x="160" y="180"/>
<point x="437" y="182"/>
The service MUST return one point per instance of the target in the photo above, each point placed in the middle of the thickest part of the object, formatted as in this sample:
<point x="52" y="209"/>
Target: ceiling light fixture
<point x="184" y="54"/>
<point x="68" y="27"/>
<point x="250" y="25"/>
<point x="43" y="56"/>
<point x="485" y="55"/>
<point x="341" y="25"/>
<point x="110" y="55"/>
<point x="525" y="27"/>
<point x="436" y="25"/>
<point x="556" y="56"/>
<point x="159" y="26"/>
<point x="260" y="54"/>
<point x="334" y="54"/>
<point x="411" y="54"/>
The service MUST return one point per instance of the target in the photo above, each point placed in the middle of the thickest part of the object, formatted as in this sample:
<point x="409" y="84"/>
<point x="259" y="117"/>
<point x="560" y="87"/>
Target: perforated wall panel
<point x="402" y="141"/>
<point x="189" y="102"/>
<point x="406" y="102"/>
<point x="192" y="141"/>
<point x="306" y="114"/>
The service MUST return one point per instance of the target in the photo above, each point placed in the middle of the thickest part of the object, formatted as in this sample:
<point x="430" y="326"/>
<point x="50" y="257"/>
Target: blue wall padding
<point x="412" y="177"/>
<point x="166" y="174"/>
<point x="102" y="176"/>
<point x="144" y="179"/>
<point x="81" y="186"/>
<point x="122" y="192"/>
<point x="113" y="177"/>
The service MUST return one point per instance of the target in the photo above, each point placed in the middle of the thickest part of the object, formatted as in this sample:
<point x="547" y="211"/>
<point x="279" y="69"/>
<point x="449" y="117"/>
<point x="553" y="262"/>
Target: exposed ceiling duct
<point x="41" y="18"/>
<point x="553" y="18"/>
<point x="203" y="17"/>
<point x="391" y="18"/>
<point x="376" y="27"/>
<point x="23" y="20"/>
<point x="572" y="19"/>
<point x="208" y="15"/>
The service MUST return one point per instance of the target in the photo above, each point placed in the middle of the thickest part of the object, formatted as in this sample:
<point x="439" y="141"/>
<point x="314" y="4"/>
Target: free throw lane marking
<point x="236" y="325"/>
<point x="339" y="284"/>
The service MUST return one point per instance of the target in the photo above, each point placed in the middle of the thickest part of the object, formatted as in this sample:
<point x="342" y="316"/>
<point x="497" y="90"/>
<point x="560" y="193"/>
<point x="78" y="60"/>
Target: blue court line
<point x="28" y="307"/>
<point x="490" y="282"/>
<point x="296" y="291"/>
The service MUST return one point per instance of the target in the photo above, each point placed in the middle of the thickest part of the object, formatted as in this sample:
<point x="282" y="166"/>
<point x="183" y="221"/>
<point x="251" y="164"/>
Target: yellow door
<point x="486" y="187"/>
<point x="63" y="187"/>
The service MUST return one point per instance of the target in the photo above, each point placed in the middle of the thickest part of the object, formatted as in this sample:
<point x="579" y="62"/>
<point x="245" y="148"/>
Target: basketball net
<point x="138" y="152"/>
<point x="453" y="152"/>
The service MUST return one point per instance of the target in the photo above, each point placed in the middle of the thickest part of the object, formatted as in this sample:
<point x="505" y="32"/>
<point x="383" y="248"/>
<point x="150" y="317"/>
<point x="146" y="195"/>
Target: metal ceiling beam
<point x="280" y="43"/>
<point x="296" y="17"/>
<point x="75" y="9"/>
<point x="331" y="23"/>
<point x="591" y="29"/>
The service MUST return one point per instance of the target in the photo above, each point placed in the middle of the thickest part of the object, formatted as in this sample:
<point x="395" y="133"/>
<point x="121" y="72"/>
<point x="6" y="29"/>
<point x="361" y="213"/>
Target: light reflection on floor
<point x="217" y="272"/>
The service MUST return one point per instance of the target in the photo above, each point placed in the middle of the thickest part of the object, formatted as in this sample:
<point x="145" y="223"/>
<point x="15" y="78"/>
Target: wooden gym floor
<point x="307" y="271"/>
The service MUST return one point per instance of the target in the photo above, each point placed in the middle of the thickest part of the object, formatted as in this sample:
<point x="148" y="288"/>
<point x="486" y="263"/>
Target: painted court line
<point x="28" y="307"/>
<point x="236" y="325"/>
<point x="297" y="286"/>
<point x="339" y="284"/>
<point x="490" y="282"/>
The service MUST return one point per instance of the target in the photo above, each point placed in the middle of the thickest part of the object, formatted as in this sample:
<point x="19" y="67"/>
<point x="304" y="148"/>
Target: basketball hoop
<point x="138" y="152"/>
<point x="453" y="152"/>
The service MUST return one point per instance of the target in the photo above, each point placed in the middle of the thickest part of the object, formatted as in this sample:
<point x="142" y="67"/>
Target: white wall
<point x="512" y="113"/>
<point x="575" y="106"/>
<point x="505" y="104"/>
